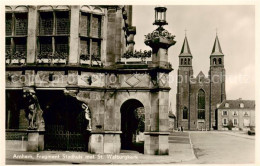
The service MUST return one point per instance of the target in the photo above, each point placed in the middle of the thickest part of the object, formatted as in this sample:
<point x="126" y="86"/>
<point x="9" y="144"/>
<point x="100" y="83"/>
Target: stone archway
<point x="65" y="122"/>
<point x="132" y="125"/>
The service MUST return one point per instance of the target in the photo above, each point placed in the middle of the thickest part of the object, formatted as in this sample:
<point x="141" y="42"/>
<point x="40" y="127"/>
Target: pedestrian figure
<point x="181" y="129"/>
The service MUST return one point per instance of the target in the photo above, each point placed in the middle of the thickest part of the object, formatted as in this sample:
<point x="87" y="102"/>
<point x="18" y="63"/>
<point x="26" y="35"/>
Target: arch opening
<point x="66" y="125"/>
<point x="132" y="125"/>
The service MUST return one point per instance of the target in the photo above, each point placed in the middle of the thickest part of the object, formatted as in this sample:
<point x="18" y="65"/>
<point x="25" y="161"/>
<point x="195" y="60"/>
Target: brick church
<point x="198" y="96"/>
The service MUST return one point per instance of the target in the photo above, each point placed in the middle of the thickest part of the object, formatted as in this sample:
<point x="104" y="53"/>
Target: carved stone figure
<point x="87" y="116"/>
<point x="33" y="111"/>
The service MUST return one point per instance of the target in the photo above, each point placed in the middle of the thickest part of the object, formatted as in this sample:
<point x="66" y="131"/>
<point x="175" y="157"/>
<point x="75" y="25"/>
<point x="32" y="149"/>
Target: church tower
<point x="217" y="80"/>
<point x="185" y="72"/>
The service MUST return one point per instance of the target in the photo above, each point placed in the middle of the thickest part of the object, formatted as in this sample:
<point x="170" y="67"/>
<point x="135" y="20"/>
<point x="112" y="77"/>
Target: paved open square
<point x="223" y="148"/>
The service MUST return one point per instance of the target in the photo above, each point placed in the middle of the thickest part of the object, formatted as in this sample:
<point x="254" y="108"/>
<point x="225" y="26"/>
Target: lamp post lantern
<point x="160" y="16"/>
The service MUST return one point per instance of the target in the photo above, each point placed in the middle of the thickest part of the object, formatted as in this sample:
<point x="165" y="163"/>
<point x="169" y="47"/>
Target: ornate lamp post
<point x="160" y="39"/>
<point x="157" y="132"/>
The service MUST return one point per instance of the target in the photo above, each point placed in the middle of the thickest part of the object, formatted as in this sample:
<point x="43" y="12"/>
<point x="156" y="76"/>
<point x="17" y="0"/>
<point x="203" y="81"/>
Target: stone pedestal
<point x="35" y="141"/>
<point x="105" y="142"/>
<point x="156" y="143"/>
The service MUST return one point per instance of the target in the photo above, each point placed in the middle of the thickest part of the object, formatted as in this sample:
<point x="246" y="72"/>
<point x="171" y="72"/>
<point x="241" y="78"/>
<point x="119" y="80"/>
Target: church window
<point x="90" y="35"/>
<point x="185" y="113"/>
<point x="214" y="61"/>
<point x="219" y="61"/>
<point x="16" y="28"/>
<point x="181" y="61"/>
<point x="201" y="104"/>
<point x="185" y="61"/>
<point x="53" y="36"/>
<point x="188" y="61"/>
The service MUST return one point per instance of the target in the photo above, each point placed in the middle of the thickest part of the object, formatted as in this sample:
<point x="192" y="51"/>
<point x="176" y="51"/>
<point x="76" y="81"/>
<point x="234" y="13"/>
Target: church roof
<point x="185" y="50"/>
<point x="216" y="48"/>
<point x="201" y="75"/>
<point x="235" y="104"/>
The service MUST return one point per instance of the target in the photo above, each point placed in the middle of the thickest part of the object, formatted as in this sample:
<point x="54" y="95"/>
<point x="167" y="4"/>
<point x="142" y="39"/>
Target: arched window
<point x="201" y="104"/>
<point x="189" y="61"/>
<point x="185" y="61"/>
<point x="214" y="61"/>
<point x="219" y="61"/>
<point x="185" y="113"/>
<point x="181" y="61"/>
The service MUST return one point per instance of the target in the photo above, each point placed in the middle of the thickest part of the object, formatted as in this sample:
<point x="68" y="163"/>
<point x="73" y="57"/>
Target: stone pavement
<point x="181" y="146"/>
<point x="180" y="150"/>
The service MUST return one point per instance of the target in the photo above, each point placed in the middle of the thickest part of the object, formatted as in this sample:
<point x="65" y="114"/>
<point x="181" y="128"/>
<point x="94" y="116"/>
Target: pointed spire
<point x="185" y="47"/>
<point x="216" y="48"/>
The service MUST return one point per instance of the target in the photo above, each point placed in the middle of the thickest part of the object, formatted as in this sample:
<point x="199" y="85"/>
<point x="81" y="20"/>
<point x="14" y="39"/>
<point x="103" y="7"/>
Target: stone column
<point x="74" y="35"/>
<point x="31" y="39"/>
<point x="156" y="139"/>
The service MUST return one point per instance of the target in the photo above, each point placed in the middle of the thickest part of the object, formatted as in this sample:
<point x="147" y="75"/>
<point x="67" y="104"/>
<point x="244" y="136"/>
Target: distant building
<point x="240" y="112"/>
<point x="198" y="96"/>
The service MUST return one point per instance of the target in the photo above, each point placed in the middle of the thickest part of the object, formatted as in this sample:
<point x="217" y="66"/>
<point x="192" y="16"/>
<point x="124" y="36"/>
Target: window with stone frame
<point x="246" y="113"/>
<point x="53" y="34"/>
<point x="90" y="36"/>
<point x="201" y="104"/>
<point x="224" y="122"/>
<point x="235" y="122"/>
<point x="16" y="28"/>
<point x="224" y="113"/>
<point x="185" y="113"/>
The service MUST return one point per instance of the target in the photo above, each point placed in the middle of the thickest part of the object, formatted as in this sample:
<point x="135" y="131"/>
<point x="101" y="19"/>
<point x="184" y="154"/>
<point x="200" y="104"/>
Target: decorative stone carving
<point x="87" y="116"/>
<point x="34" y="111"/>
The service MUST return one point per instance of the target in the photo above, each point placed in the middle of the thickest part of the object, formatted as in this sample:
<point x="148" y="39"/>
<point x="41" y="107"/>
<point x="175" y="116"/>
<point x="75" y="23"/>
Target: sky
<point x="235" y="26"/>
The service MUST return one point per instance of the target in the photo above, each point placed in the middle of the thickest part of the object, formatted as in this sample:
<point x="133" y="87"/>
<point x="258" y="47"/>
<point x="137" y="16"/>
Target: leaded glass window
<point x="96" y="49"/>
<point x="85" y="24"/>
<point x="62" y="23"/>
<point x="96" y="26"/>
<point x="46" y="23"/>
<point x="8" y="24"/>
<point x="46" y="45"/>
<point x="21" y="24"/>
<point x="62" y="45"/>
<point x="16" y="35"/>
<point x="54" y="30"/>
<point x="90" y="36"/>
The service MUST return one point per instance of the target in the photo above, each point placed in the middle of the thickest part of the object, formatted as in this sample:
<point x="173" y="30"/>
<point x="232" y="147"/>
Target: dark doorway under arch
<point x="132" y="125"/>
<point x="65" y="123"/>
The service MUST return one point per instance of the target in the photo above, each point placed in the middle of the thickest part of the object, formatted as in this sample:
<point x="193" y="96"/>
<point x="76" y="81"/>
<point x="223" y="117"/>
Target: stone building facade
<point x="239" y="114"/>
<point x="69" y="85"/>
<point x="197" y="97"/>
